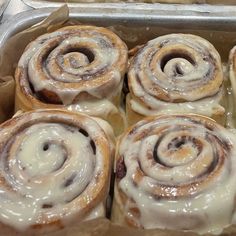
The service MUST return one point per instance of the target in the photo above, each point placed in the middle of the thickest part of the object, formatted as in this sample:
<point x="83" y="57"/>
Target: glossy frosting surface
<point x="176" y="73"/>
<point x="179" y="172"/>
<point x="53" y="166"/>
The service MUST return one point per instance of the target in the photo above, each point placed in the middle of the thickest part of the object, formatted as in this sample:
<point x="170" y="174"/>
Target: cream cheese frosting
<point x="179" y="171"/>
<point x="176" y="73"/>
<point x="52" y="167"/>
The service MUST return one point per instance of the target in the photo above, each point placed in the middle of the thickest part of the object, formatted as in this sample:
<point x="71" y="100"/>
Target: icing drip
<point x="207" y="106"/>
<point x="95" y="108"/>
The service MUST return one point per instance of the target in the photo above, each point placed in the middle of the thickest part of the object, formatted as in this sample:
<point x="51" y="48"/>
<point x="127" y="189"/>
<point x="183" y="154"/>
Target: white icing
<point x="49" y="164"/>
<point x="57" y="74"/>
<point x="175" y="68"/>
<point x="202" y="212"/>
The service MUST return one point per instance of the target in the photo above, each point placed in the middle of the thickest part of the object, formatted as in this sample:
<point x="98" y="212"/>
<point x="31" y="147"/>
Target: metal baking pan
<point x="3" y="5"/>
<point x="74" y="3"/>
<point x="135" y="24"/>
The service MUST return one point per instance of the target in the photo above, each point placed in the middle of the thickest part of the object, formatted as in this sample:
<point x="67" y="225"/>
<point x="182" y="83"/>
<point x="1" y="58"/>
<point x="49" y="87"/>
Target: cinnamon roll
<point x="176" y="172"/>
<point x="78" y="67"/>
<point x="54" y="170"/>
<point x="176" y="73"/>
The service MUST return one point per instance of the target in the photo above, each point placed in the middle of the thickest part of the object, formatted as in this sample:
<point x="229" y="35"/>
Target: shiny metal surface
<point x="138" y="23"/>
<point x="14" y="7"/>
<point x="89" y="4"/>
<point x="146" y="13"/>
<point x="3" y="6"/>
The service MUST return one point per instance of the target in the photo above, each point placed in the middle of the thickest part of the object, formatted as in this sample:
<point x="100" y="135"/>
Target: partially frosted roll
<point x="232" y="70"/>
<point x="176" y="172"/>
<point x="176" y="73"/>
<point x="78" y="67"/>
<point x="54" y="171"/>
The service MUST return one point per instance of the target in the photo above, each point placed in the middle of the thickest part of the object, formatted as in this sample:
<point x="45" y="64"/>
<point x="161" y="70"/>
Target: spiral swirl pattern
<point x="73" y="64"/>
<point x="174" y="72"/>
<point x="54" y="168"/>
<point x="180" y="168"/>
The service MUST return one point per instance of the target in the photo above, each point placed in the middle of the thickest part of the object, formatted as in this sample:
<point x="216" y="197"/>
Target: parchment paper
<point x="13" y="49"/>
<point x="103" y="227"/>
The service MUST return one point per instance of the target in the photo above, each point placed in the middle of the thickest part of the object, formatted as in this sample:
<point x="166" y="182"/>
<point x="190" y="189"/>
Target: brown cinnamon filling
<point x="85" y="51"/>
<point x="85" y="133"/>
<point x="120" y="168"/>
<point x="47" y="205"/>
<point x="70" y="180"/>
<point x="93" y="146"/>
<point x="171" y="56"/>
<point x="178" y="142"/>
<point x="46" y="147"/>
